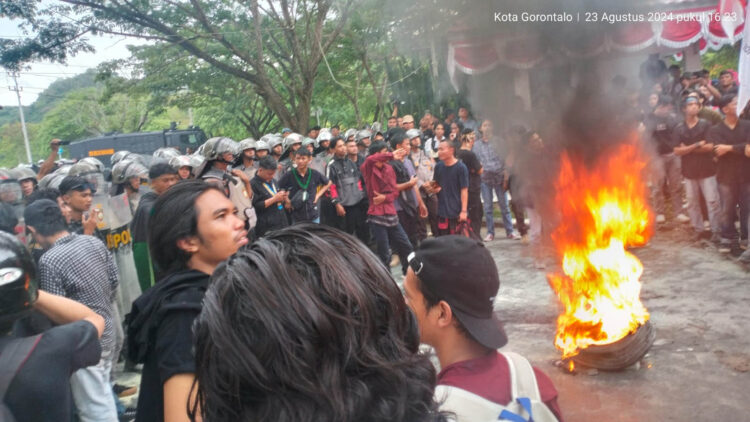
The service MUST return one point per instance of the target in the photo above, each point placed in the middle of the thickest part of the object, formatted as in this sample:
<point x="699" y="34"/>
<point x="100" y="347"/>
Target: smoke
<point x="579" y="103"/>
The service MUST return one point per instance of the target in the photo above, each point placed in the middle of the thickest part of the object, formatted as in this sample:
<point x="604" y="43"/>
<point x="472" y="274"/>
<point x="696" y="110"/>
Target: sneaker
<point x="489" y="238"/>
<point x="128" y="415"/>
<point x="660" y="218"/>
<point x="725" y="248"/>
<point x="682" y="218"/>
<point x="124" y="390"/>
<point x="514" y="236"/>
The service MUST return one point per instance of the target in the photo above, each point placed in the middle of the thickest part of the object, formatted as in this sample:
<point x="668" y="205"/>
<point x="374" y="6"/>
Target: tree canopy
<point x="234" y="68"/>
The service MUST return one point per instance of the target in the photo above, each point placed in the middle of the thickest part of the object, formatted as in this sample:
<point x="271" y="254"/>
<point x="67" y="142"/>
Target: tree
<point x="12" y="150"/>
<point x="168" y="76"/>
<point x="250" y="41"/>
<point x="77" y="114"/>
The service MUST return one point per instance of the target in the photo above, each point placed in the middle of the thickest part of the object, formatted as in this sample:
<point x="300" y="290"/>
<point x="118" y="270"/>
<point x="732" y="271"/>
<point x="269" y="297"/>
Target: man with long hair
<point x="192" y="229"/>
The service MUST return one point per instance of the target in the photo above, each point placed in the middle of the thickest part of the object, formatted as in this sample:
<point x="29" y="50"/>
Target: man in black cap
<point x="451" y="286"/>
<point x="76" y="193"/>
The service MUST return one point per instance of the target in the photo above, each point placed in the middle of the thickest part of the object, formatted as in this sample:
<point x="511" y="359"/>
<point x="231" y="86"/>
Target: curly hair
<point x="307" y="325"/>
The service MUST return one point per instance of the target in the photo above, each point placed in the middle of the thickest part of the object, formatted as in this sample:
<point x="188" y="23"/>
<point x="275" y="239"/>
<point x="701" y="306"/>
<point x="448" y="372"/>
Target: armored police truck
<point x="102" y="147"/>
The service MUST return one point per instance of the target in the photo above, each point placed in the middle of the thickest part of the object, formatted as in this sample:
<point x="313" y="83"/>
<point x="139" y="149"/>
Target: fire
<point x="603" y="211"/>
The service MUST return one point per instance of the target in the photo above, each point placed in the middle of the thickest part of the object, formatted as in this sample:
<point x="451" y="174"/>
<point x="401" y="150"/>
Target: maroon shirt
<point x="489" y="378"/>
<point x="381" y="180"/>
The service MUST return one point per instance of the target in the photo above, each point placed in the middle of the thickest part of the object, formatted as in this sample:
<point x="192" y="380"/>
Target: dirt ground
<point x="699" y="366"/>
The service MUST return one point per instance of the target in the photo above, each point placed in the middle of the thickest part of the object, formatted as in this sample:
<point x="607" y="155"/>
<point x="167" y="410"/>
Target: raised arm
<point x="62" y="310"/>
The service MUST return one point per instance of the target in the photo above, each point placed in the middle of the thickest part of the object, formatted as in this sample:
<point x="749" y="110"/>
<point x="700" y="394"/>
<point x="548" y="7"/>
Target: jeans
<point x="92" y="392"/>
<point x="328" y="214"/>
<point x="516" y="205"/>
<point x="502" y="199"/>
<point x="475" y="212"/>
<point x="710" y="190"/>
<point x="355" y="221"/>
<point x="667" y="168"/>
<point x="387" y="237"/>
<point x="732" y="195"/>
<point x="410" y="224"/>
<point x="431" y="202"/>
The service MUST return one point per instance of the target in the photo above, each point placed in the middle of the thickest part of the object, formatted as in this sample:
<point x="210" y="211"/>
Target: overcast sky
<point x="34" y="80"/>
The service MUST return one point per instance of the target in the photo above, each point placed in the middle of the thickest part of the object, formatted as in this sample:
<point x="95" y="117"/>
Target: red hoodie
<point x="381" y="180"/>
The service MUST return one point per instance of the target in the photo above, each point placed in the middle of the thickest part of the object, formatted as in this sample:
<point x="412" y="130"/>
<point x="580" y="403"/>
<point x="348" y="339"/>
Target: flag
<point x="732" y="15"/>
<point x="744" y="68"/>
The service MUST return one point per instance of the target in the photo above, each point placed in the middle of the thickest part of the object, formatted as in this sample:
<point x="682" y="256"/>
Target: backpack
<point x="13" y="357"/>
<point x="526" y="404"/>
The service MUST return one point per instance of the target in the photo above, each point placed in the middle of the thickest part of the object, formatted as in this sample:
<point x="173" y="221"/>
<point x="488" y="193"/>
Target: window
<point x="189" y="139"/>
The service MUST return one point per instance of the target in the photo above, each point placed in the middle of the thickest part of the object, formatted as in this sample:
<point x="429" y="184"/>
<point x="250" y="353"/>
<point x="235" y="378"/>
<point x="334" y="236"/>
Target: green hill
<point x="48" y="98"/>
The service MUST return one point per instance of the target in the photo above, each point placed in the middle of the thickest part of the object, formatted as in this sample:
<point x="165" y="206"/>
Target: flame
<point x="603" y="211"/>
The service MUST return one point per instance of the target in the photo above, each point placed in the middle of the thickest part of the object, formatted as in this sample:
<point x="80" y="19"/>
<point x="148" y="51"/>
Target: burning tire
<point x="620" y="354"/>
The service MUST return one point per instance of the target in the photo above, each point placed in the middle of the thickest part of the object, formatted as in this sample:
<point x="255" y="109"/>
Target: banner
<point x="744" y="69"/>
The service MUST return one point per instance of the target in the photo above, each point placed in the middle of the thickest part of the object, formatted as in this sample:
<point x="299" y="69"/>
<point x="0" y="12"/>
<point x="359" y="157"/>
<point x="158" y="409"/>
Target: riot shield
<point x="115" y="225"/>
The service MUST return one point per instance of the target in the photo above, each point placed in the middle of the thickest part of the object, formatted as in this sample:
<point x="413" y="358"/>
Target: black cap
<point x="75" y="183"/>
<point x="461" y="271"/>
<point x="41" y="211"/>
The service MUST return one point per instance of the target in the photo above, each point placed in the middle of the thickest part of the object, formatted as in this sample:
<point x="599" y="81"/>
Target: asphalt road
<point x="699" y="366"/>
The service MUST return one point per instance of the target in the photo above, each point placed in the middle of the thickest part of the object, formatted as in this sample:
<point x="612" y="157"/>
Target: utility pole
<point x="14" y="75"/>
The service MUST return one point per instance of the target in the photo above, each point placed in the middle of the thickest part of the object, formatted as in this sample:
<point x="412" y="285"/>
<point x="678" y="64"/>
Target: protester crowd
<point x="251" y="280"/>
<point x="700" y="139"/>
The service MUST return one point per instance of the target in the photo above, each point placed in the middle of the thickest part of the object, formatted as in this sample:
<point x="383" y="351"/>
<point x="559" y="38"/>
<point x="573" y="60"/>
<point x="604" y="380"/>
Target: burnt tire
<point x="620" y="354"/>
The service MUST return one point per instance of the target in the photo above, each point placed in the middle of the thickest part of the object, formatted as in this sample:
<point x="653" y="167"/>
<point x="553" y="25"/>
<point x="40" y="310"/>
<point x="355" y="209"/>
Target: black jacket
<point x="347" y="179"/>
<point x="183" y="290"/>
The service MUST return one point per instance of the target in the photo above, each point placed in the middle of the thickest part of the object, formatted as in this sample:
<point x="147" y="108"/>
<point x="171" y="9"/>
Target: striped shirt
<point x="81" y="268"/>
